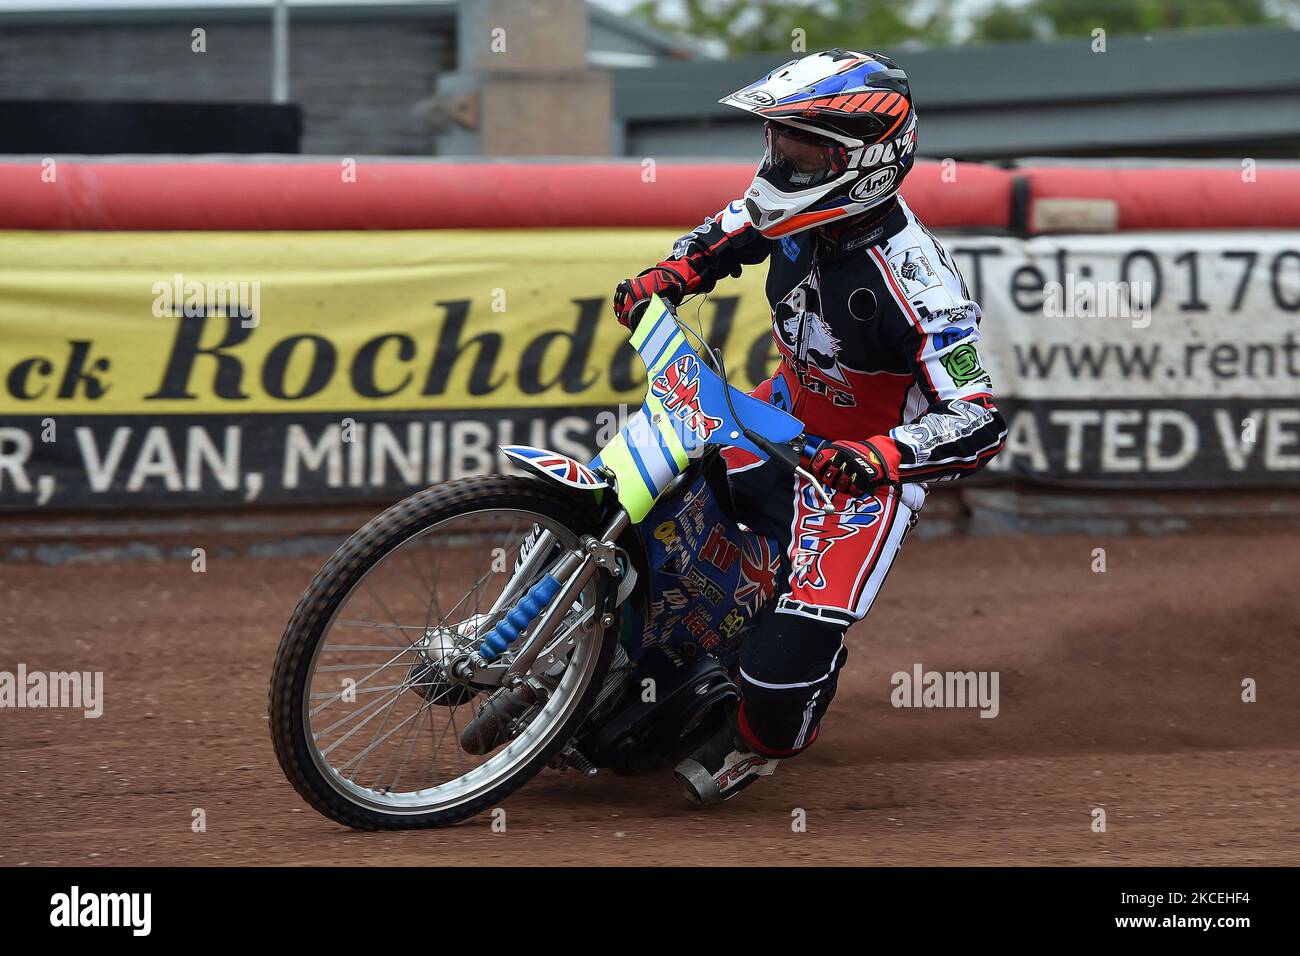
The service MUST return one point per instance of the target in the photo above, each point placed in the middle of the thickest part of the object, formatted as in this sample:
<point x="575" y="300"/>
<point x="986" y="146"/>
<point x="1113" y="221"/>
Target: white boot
<point x="720" y="769"/>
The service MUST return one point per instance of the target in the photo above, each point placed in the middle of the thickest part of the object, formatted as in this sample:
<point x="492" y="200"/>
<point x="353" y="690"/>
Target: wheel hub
<point x="430" y="674"/>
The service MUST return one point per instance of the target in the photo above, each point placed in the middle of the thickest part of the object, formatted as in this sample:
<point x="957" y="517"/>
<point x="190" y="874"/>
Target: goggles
<point x="800" y="160"/>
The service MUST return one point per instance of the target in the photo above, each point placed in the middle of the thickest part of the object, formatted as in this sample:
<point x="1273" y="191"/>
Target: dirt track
<point x="1118" y="690"/>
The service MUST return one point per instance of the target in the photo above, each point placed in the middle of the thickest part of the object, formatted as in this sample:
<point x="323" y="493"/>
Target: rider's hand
<point x="629" y="293"/>
<point x="853" y="467"/>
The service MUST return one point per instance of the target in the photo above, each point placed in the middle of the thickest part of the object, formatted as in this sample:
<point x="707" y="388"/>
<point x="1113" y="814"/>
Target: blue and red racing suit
<point x="877" y="337"/>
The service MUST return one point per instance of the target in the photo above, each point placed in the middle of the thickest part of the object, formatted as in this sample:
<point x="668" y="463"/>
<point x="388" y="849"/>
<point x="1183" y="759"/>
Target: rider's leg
<point x="834" y="565"/>
<point x="789" y="667"/>
<point x="838" y="563"/>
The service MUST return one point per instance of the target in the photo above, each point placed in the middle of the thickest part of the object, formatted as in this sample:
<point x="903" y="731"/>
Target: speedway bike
<point x="577" y="616"/>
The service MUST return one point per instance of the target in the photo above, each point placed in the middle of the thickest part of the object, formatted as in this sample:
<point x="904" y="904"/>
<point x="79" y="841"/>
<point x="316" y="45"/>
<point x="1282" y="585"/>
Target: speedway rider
<point x="876" y="333"/>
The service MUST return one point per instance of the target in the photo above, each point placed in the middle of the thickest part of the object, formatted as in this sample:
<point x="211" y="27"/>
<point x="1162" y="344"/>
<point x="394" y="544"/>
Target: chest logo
<point x="809" y="345"/>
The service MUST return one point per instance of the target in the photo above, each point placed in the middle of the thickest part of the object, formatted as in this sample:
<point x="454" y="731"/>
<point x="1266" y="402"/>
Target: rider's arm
<point x="718" y="247"/>
<point x="960" y="429"/>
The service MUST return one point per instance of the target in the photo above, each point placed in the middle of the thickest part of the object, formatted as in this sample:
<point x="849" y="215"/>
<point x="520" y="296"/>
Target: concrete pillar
<point x="522" y="85"/>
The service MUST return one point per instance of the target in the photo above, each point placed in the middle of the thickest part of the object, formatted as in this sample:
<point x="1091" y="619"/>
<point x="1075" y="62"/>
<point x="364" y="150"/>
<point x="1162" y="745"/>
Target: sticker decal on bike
<point x="692" y="517"/>
<point x="687" y="405"/>
<point x="697" y="583"/>
<point x="759" y="565"/>
<point x="554" y="465"/>
<point x="678" y="387"/>
<point x="719" y="550"/>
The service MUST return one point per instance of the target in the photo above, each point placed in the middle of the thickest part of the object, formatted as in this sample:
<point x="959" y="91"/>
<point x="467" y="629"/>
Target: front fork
<point x="545" y="605"/>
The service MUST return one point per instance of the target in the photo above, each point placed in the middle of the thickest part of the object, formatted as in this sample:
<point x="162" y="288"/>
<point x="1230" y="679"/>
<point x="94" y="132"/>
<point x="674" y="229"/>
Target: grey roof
<point x="634" y="32"/>
<point x="1132" y="68"/>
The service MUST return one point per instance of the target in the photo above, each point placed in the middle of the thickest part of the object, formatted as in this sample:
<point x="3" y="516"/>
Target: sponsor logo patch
<point x="963" y="364"/>
<point x="913" y="270"/>
<point x="948" y="336"/>
<point x="817" y="532"/>
<point x="757" y="97"/>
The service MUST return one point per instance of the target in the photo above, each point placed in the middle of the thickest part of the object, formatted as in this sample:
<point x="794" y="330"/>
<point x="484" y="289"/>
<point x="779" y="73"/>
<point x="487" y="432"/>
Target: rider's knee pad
<point x="789" y="668"/>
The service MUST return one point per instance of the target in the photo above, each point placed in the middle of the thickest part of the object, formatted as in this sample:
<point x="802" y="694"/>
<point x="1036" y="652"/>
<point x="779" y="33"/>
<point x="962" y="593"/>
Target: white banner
<point x="1143" y="358"/>
<point x="1138" y="315"/>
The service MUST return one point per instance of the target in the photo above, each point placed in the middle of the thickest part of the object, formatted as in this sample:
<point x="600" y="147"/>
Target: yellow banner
<point x="219" y="322"/>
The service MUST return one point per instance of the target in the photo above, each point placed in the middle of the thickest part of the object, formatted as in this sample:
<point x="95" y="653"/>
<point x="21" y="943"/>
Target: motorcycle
<point x="575" y="616"/>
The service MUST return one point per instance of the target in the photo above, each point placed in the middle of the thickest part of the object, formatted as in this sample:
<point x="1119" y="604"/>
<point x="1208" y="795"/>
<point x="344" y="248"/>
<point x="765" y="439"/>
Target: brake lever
<point x="828" y="505"/>
<point x="787" y="456"/>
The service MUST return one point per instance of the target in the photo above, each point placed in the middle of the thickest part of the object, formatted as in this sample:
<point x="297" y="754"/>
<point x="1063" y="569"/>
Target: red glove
<point x="658" y="280"/>
<point x="853" y="467"/>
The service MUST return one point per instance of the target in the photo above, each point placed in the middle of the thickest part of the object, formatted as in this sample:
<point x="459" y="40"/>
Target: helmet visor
<point x="798" y="160"/>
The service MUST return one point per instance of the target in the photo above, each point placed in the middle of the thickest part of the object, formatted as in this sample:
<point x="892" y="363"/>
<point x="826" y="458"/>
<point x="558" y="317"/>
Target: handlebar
<point x="638" y="310"/>
<point x="794" y="460"/>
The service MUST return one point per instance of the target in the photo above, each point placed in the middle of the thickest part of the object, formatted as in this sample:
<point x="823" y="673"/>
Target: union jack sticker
<point x="553" y="465"/>
<point x="759" y="565"/>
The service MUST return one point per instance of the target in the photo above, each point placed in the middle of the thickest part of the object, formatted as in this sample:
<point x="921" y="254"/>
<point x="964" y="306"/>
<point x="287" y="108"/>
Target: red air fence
<point x="437" y="195"/>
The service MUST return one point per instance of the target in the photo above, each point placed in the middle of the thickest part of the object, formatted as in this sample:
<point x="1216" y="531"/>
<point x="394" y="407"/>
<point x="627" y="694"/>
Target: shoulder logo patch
<point x="913" y="270"/>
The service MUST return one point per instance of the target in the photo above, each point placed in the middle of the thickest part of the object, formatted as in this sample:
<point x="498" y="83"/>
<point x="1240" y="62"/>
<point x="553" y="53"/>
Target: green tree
<point x="1044" y="19"/>
<point x="1003" y="23"/>
<point x="763" y="26"/>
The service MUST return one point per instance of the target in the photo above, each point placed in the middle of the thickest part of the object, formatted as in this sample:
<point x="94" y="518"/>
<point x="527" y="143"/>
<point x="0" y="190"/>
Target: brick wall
<point x="356" y="81"/>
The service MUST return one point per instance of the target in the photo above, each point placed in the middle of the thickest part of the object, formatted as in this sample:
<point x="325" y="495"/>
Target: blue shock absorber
<point x="528" y="609"/>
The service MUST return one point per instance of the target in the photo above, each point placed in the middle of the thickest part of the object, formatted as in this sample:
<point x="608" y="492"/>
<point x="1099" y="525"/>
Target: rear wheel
<point x="365" y="716"/>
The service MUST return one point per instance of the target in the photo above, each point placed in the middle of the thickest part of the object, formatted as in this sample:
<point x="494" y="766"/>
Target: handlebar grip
<point x="635" y="314"/>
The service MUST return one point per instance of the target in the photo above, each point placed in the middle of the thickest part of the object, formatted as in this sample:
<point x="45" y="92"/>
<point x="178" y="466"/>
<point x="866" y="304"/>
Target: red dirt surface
<point x="1119" y="690"/>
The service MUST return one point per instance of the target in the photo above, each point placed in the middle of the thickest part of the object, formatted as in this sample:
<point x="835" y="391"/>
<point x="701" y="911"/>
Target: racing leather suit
<point x="877" y="338"/>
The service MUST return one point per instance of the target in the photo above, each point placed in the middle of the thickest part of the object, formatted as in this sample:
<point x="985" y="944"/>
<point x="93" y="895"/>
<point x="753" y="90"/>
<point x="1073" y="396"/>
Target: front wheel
<point x="366" y="722"/>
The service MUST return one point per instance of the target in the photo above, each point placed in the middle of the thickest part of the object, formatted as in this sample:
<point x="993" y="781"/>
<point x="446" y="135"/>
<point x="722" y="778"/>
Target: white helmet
<point x="841" y="135"/>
